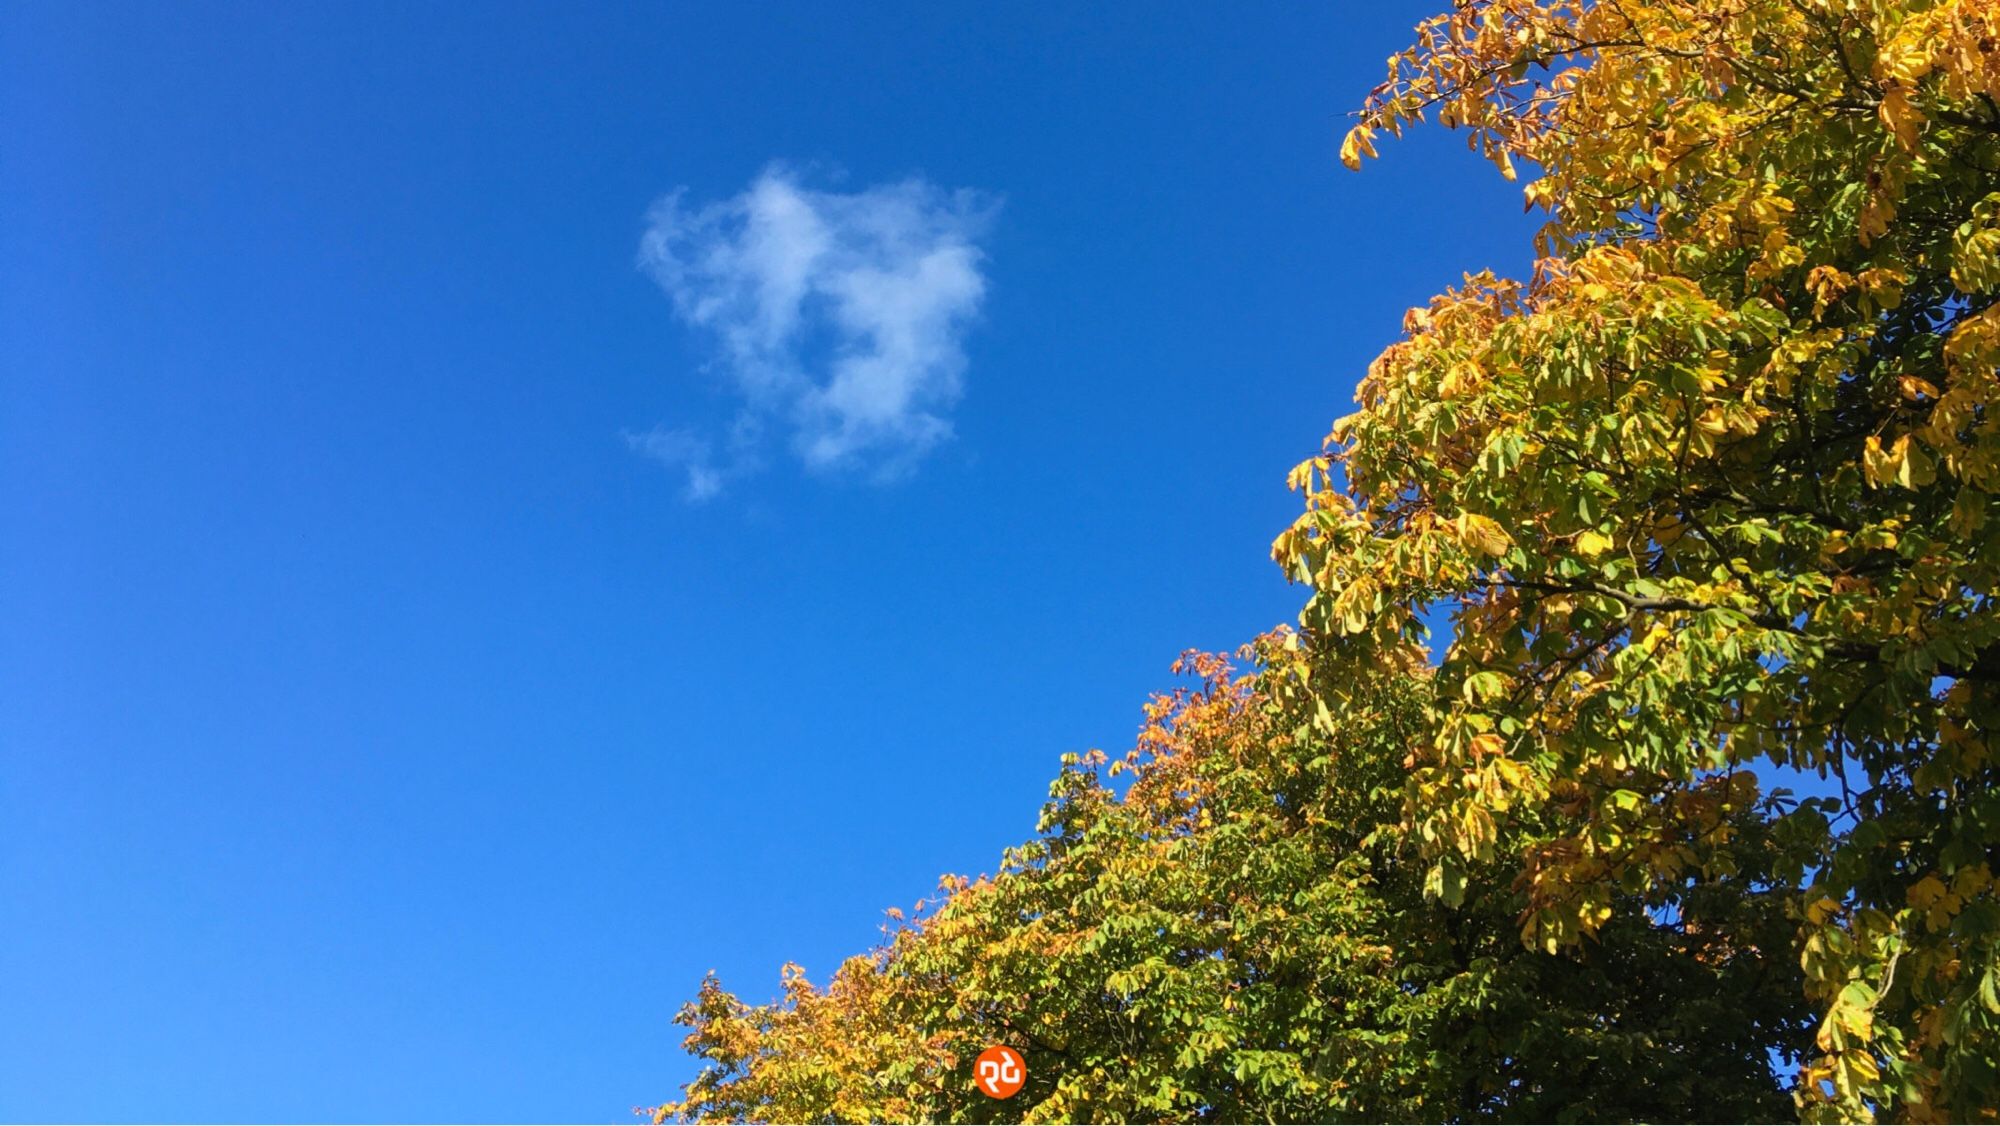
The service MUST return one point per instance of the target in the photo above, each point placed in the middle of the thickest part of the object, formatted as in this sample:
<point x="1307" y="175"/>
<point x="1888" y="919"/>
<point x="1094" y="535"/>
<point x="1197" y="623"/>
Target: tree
<point x="1710" y="491"/>
<point x="1244" y="935"/>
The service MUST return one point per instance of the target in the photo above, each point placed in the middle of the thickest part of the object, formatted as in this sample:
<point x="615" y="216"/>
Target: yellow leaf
<point x="1926" y="891"/>
<point x="1827" y="283"/>
<point x="1877" y="464"/>
<point x="1913" y="466"/>
<point x="1906" y="59"/>
<point x="1593" y="544"/>
<point x="1855" y="1072"/>
<point x="1356" y="146"/>
<point x="1901" y="117"/>
<point x="1481" y="533"/>
<point x="1916" y="389"/>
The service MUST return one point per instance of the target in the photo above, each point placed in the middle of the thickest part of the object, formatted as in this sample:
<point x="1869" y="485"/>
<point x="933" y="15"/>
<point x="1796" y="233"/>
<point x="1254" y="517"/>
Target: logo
<point x="1000" y="1072"/>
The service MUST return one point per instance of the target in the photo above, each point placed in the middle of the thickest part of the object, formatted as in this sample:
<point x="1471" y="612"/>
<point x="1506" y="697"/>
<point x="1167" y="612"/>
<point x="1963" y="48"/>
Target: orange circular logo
<point x="999" y="1072"/>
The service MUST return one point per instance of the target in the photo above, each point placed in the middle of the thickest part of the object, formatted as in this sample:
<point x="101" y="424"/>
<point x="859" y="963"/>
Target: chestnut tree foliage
<point x="1703" y="504"/>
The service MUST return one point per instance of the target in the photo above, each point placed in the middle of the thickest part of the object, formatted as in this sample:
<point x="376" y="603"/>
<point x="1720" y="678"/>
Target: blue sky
<point x="439" y="627"/>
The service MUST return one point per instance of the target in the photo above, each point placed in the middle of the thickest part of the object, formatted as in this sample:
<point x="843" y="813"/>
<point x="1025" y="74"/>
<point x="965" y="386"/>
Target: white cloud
<point x="838" y="317"/>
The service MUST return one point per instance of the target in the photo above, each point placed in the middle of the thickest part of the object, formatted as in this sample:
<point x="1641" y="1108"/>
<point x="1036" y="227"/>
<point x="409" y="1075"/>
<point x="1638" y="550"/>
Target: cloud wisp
<point x="837" y="318"/>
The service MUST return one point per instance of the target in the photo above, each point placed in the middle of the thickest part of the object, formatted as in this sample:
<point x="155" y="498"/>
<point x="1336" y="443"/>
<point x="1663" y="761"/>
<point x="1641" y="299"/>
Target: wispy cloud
<point x="836" y="317"/>
<point x="682" y="449"/>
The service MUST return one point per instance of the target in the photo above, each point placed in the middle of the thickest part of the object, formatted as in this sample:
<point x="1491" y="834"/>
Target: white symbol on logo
<point x="1003" y="1072"/>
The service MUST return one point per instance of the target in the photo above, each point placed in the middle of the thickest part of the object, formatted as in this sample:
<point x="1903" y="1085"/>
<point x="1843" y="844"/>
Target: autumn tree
<point x="1244" y="935"/>
<point x="1711" y="490"/>
<point x="1703" y="503"/>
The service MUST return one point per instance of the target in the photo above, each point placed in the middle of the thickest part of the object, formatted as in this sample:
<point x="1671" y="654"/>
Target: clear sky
<point x="450" y="598"/>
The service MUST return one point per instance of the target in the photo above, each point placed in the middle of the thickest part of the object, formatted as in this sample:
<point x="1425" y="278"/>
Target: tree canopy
<point x="1705" y="501"/>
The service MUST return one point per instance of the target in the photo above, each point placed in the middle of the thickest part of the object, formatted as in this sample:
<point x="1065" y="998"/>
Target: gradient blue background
<point x="380" y="738"/>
